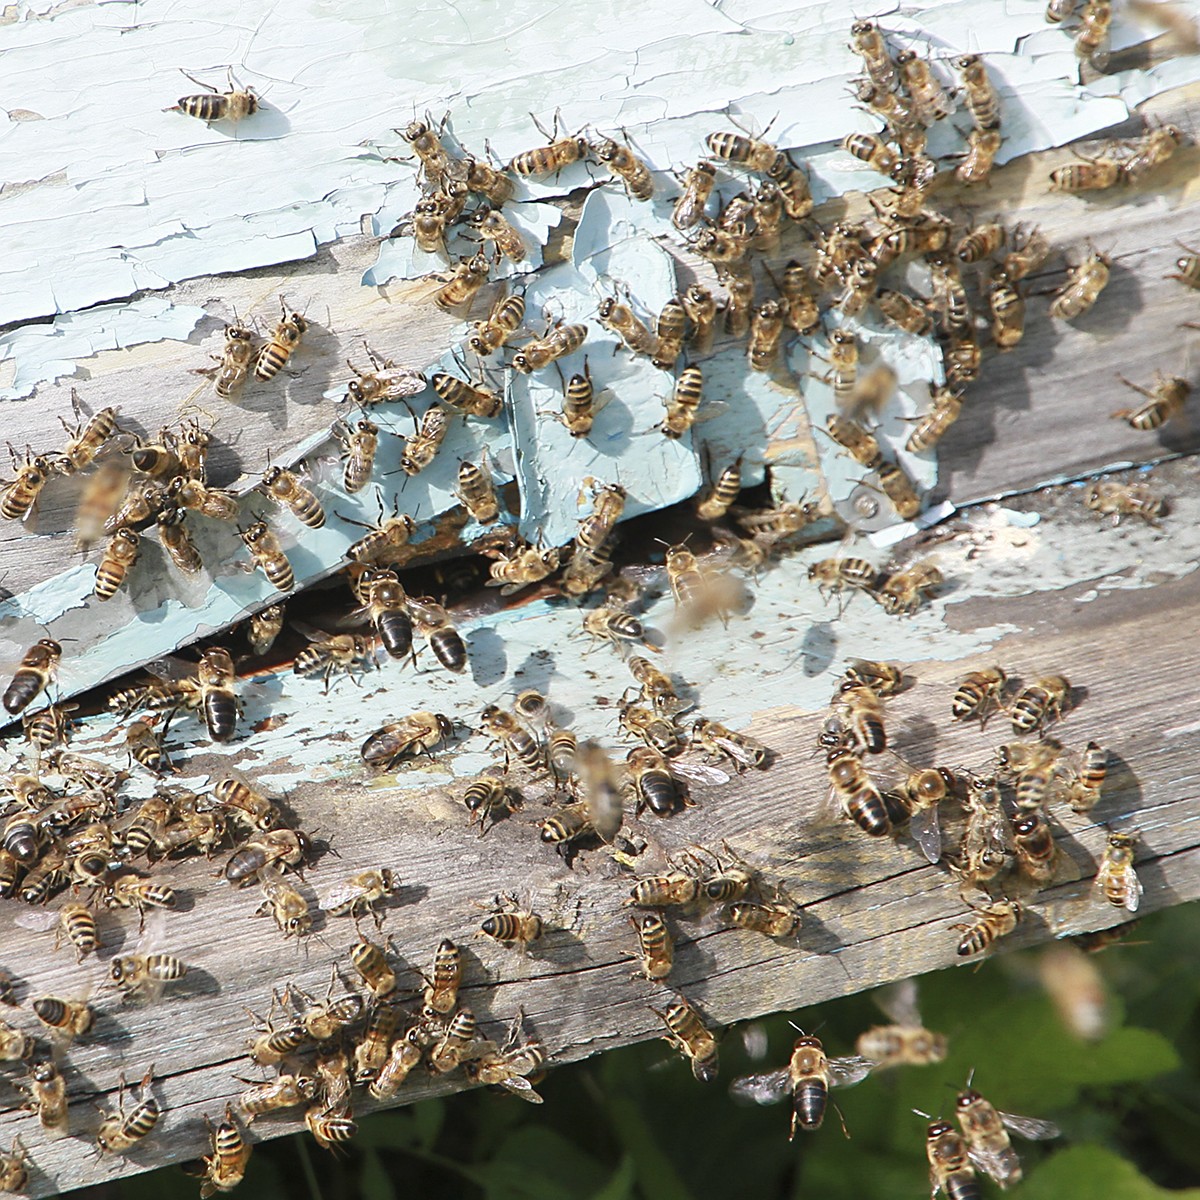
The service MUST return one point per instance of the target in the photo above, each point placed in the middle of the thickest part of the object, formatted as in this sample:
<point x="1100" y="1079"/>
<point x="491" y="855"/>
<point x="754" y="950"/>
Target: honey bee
<point x="698" y="184"/>
<point x="1007" y="307"/>
<point x="843" y="362"/>
<point x="122" y="1130"/>
<point x="727" y="249"/>
<point x="47" y="1091"/>
<point x="469" y="275"/>
<point x="656" y="686"/>
<point x="659" y="733"/>
<point x="225" y="1168"/>
<point x="853" y="437"/>
<point x="142" y="976"/>
<point x="274" y="354"/>
<point x="359" y="444"/>
<point x="793" y="186"/>
<point x="807" y="1078"/>
<point x="286" y="906"/>
<point x="285" y="488"/>
<point x="78" y="923"/>
<point x="212" y="105"/>
<point x="1116" y="880"/>
<point x="978" y="695"/>
<point x="441" y="992"/>
<point x="766" y="330"/>
<point x="515" y="739"/>
<point x="739" y="748"/>
<point x="932" y="427"/>
<point x="1187" y="268"/>
<point x="980" y="242"/>
<point x="103" y="492"/>
<point x="1028" y="252"/>
<point x="579" y="404"/>
<point x="1059" y="10"/>
<point x="14" y="1045"/>
<point x="487" y="181"/>
<point x="493" y="227"/>
<point x="22" y="837"/>
<point x="653" y="785"/>
<point x="1037" y="853"/>
<point x="528" y="566"/>
<point x="861" y="709"/>
<point x="742" y="151"/>
<point x="1085" y="788"/>
<point x="856" y="792"/>
<point x="130" y="890"/>
<point x="906" y="1042"/>
<point x="986" y="837"/>
<point x="559" y="341"/>
<point x="246" y="806"/>
<point x="195" y="496"/>
<point x="798" y="293"/>
<point x="904" y="312"/>
<point x="18" y="497"/>
<point x="715" y="504"/>
<point x="687" y="1033"/>
<point x="684" y="403"/>
<point x="14" y="1168"/>
<point x="384" y="381"/>
<point x="622" y="162"/>
<point x="929" y="99"/>
<point x="434" y="158"/>
<point x="867" y="42"/>
<point x="986" y="1131"/>
<point x="670" y="330"/>
<point x="49" y="727"/>
<point x="1107" y="496"/>
<point x="383" y="540"/>
<point x="1091" y="36"/>
<point x="456" y="1045"/>
<point x="993" y="920"/>
<point x="1084" y="284"/>
<point x="372" y="965"/>
<point x="402" y="1058"/>
<point x="430" y="216"/>
<point x="1090" y="175"/>
<point x="511" y="925"/>
<point x="778" y="919"/>
<point x="85" y="440"/>
<point x="701" y="310"/>
<point x="120" y="556"/>
<point x="982" y="147"/>
<point x="327" y="654"/>
<point x="1036" y="705"/>
<point x="476" y="399"/>
<point x="417" y="733"/>
<point x="550" y="159"/>
<point x="488" y="796"/>
<point x="633" y="332"/>
<point x="267" y="554"/>
<point x="431" y="621"/>
<point x="233" y="365"/>
<point x="284" y="1091"/>
<point x="66" y="1019"/>
<point x="950" y="1166"/>
<point x="1165" y="401"/>
<point x="834" y="574"/>
<point x="386" y="605"/>
<point x="655" y="944"/>
<point x="329" y="1127"/>
<point x="902" y="591"/>
<point x="503" y="321"/>
<point x="872" y="150"/>
<point x="962" y="356"/>
<point x="275" y="847"/>
<point x="371" y="1051"/>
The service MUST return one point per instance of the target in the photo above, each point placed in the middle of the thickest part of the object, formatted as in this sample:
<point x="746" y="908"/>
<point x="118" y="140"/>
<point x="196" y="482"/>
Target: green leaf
<point x="428" y="1118"/>
<point x="1086" y="1172"/>
<point x="537" y="1163"/>
<point x="621" y="1185"/>
<point x="374" y="1182"/>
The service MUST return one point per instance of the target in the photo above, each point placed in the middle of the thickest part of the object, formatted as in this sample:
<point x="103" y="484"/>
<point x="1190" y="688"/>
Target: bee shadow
<point x="486" y="655"/>
<point x="1122" y="789"/>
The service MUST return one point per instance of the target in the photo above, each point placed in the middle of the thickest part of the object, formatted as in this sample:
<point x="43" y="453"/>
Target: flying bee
<point x="982" y="147"/>
<point x="698" y="184"/>
<point x="854" y="438"/>
<point x="978" y="695"/>
<point x="527" y="566"/>
<point x="18" y="497"/>
<point x="1038" y="704"/>
<point x="550" y="159"/>
<point x="286" y="907"/>
<point x="950" y="1166"/>
<point x="807" y="1078"/>
<point x="268" y="555"/>
<point x="1116" y="880"/>
<point x="1165" y="401"/>
<point x="511" y="925"/>
<point x="1084" y="284"/>
<point x="493" y="227"/>
<point x="139" y="507"/>
<point x="359" y="445"/>
<point x="122" y="552"/>
<point x="766" y="330"/>
<point x="701" y="310"/>
<point x="1108" y="497"/>
<point x="427" y="145"/>
<point x="142" y="976"/>
<point x="1090" y="175"/>
<point x="66" y="1019"/>
<point x="945" y="409"/>
<point x="626" y="165"/>
<point x="14" y="1168"/>
<point x="433" y="623"/>
<point x="417" y="733"/>
<point x="684" y="403"/>
<point x="993" y="920"/>
<point x="468" y="276"/>
<point x="503" y="321"/>
<point x="275" y="847"/>
<point x="558" y="342"/>
<point x="1007" y="307"/>
<point x="1091" y="36"/>
<point x="856" y="792"/>
<point x="986" y="1131"/>
<point x="906" y="1042"/>
<point x="15" y="1046"/>
<point x="902" y="591"/>
<point x="47" y="1092"/>
<point x="212" y="105"/>
<point x="867" y="42"/>
<point x="1187" y="268"/>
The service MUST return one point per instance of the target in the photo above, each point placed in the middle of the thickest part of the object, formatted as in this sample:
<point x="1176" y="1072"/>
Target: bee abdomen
<point x="809" y="1103"/>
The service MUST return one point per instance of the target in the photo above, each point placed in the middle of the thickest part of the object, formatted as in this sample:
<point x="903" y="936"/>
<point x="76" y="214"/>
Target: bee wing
<point x="311" y="632"/>
<point x="698" y="772"/>
<point x="172" y="669"/>
<point x="1133" y="891"/>
<point x="927" y="833"/>
<point x="899" y="1002"/>
<point x="767" y="1088"/>
<point x="1030" y="1127"/>
<point x="342" y="894"/>
<point x="520" y="1086"/>
<point x="992" y="1163"/>
<point x="846" y="1072"/>
<point x="736" y="752"/>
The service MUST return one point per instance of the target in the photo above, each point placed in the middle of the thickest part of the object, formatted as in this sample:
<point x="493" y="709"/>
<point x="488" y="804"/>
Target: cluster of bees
<point x="84" y="834"/>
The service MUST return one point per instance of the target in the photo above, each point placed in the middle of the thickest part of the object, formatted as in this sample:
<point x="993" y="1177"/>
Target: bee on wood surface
<point x="1164" y="401"/>
<point x="237" y="356"/>
<point x="904" y="312"/>
<point x="1091" y="36"/>
<point x="47" y="1096"/>
<point x="612" y="624"/>
<point x="725" y="489"/>
<point x="177" y="542"/>
<point x="834" y="574"/>
<point x="698" y="184"/>
<point x="1187" y="268"/>
<point x="1007" y="307"/>
<point x="503" y="321"/>
<point x="549" y="159"/>
<point x="867" y="42"/>
<point x="901" y="592"/>
<point x="855" y="439"/>
<point x="945" y="409"/>
<point x="843" y="373"/>
<point x="659" y="733"/>
<point x="510" y="1065"/>
<point x="66" y="1019"/>
<point x="14" y="1168"/>
<point x="286" y="907"/>
<point x="777" y="919"/>
<point x="157" y="460"/>
<point x="684" y="403"/>
<point x="195" y="496"/>
<point x="687" y="1033"/>
<point x="276" y="847"/>
<point x="929" y="98"/>
<point x="273" y="356"/>
<point x="962" y="356"/>
<point x="130" y="890"/>
<point x="1084" y="284"/>
<point x="372" y="965"/>
<point x="1084" y="791"/>
<point x="1039" y="703"/>
<point x="78" y="923"/>
<point x="653" y="785"/>
<point x="656" y="686"/>
<point x="359" y="445"/>
<point x="882" y="678"/>
<point x="986" y="838"/>
<point x="122" y="552"/>
<point x="49" y="727"/>
<point x="1028" y="251"/>
<point x="477" y="492"/>
<point x="250" y="808"/>
<point x="441" y="990"/>
<point x="906" y="1042"/>
<point x="1108" y="497"/>
<point x="372" y="1049"/>
<point x="212" y="105"/>
<point x="558" y="342"/>
<point x="608" y="506"/>
<point x="526" y="567"/>
<point x="986" y="1131"/>
<point x="656" y="947"/>
<point x="807" y="1078"/>
<point x="267" y="554"/>
<point x="950" y="1167"/>
<point x="976" y="166"/>
<point x="513" y="737"/>
<point x="474" y="398"/>
<point x="1034" y="766"/>
<point x="871" y="149"/>
<point x="980" y="242"/>
<point x="1088" y="175"/>
<point x="32" y="474"/>
<point x="856" y="792"/>
<point x="861" y="711"/>
<point x="428" y="434"/>
<point x="427" y="145"/>
<point x="124" y="1128"/>
<point x="361" y="893"/>
<point x="1116" y="880"/>
<point x="433" y="623"/>
<point x="339" y="652"/>
<point x="794" y="189"/>
<point x="225" y="1168"/>
<point x="488" y="182"/>
<point x="142" y="976"/>
<point x="384" y="540"/>
<point x="85" y="441"/>
<point x="15" y="1046"/>
<point x="492" y="226"/>
<point x="417" y="733"/>
<point x="1037" y="853"/>
<point x="978" y="695"/>
<point x="701" y="310"/>
<point x="489" y="796"/>
<point x="511" y="925"/>
<point x="766" y="330"/>
<point x="329" y="1127"/>
<point x="468" y="276"/>
<point x="402" y="1058"/>
<point x="980" y="95"/>
<point x="626" y="165"/>
<point x="284" y="1091"/>
<point x="993" y="920"/>
<point x="384" y="381"/>
<point x="678" y="889"/>
<point x="718" y="741"/>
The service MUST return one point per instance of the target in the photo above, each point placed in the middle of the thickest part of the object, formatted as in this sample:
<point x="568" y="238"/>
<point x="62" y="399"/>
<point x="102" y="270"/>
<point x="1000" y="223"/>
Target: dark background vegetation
<point x="635" y="1124"/>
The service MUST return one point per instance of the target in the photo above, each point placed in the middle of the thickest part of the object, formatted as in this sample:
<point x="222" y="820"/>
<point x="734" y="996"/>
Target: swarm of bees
<point x="70" y="823"/>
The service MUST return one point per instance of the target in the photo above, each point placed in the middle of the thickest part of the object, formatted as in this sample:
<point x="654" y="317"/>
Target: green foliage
<point x="635" y="1125"/>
